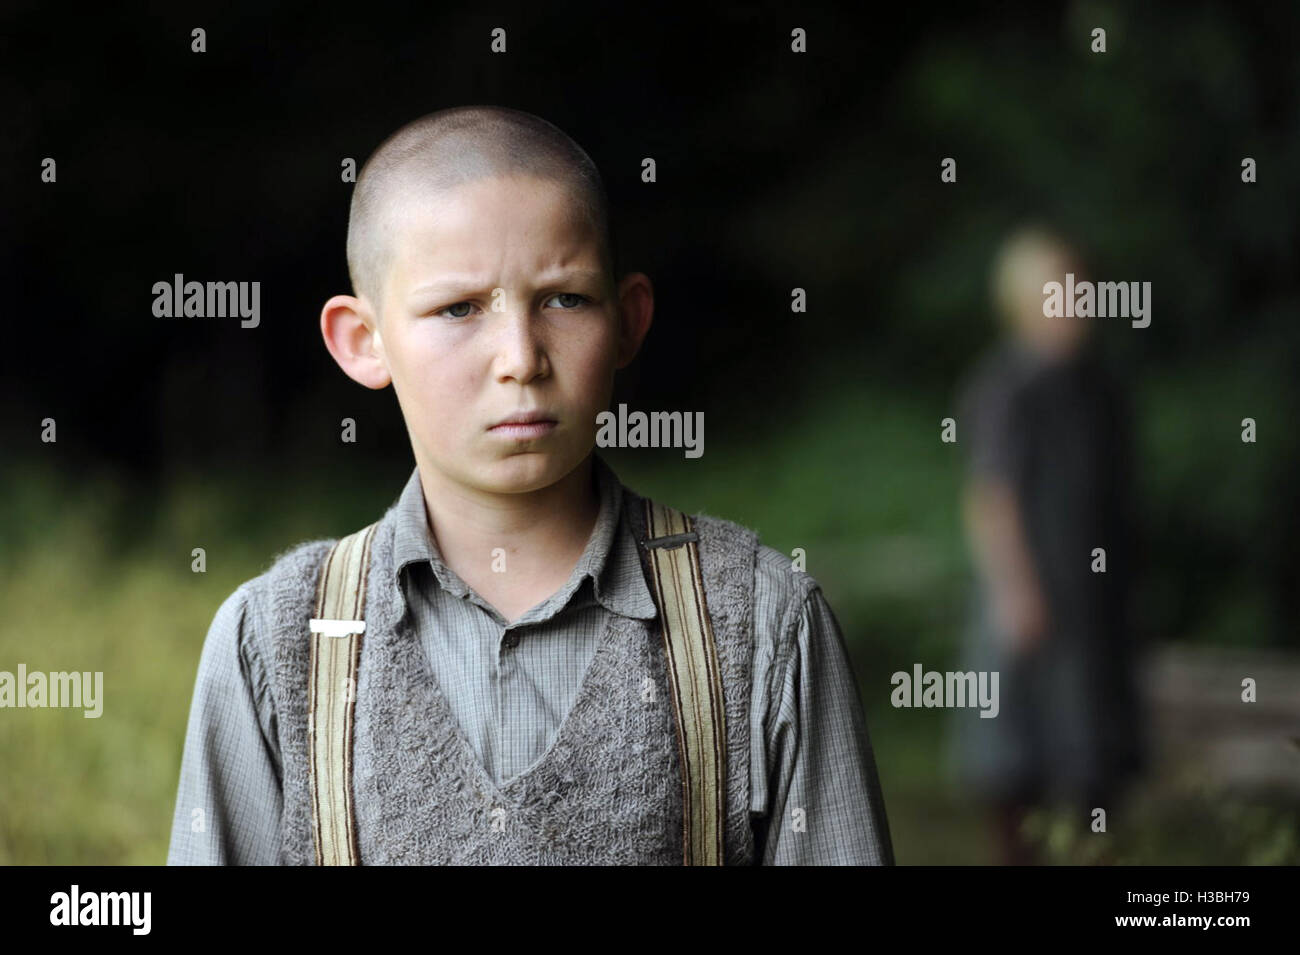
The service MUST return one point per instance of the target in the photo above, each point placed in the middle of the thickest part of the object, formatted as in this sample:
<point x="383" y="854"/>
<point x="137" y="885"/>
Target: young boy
<point x="512" y="698"/>
<point x="1048" y="476"/>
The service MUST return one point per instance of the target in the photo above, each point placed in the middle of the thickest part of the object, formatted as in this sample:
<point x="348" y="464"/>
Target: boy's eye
<point x="448" y="310"/>
<point x="576" y="300"/>
<point x="569" y="301"/>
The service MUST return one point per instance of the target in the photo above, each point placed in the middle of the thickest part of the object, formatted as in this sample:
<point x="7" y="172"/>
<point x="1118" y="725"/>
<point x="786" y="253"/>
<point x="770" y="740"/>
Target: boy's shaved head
<point x="452" y="147"/>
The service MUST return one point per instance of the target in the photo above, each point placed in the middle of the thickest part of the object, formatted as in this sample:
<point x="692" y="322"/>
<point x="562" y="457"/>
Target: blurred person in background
<point x="1047" y="434"/>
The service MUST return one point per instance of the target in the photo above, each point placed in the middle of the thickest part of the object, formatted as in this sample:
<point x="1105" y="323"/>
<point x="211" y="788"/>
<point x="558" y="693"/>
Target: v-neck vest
<point x="608" y="788"/>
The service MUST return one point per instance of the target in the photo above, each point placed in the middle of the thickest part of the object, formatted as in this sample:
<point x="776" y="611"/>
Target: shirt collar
<point x="610" y="559"/>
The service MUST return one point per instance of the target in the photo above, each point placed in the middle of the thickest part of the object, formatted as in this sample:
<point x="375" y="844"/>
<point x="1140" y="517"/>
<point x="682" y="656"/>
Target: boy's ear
<point x="636" y="306"/>
<point x="351" y="332"/>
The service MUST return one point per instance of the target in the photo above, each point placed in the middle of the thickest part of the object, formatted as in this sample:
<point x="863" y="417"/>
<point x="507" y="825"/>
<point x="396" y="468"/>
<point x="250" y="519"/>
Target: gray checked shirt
<point x="510" y="685"/>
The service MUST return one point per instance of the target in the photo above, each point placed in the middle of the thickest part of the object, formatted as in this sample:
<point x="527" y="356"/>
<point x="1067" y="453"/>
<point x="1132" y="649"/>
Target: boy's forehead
<point x="472" y="225"/>
<point x="415" y="204"/>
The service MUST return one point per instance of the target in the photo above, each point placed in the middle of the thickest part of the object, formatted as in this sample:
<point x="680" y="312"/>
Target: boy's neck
<point x="543" y="533"/>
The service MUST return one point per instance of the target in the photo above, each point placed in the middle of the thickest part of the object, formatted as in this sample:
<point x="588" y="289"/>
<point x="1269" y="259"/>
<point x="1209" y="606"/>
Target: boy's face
<point x="1054" y="336"/>
<point x="497" y="303"/>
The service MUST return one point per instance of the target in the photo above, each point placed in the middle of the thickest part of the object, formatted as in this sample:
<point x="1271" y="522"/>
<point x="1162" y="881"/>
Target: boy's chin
<point x="523" y="471"/>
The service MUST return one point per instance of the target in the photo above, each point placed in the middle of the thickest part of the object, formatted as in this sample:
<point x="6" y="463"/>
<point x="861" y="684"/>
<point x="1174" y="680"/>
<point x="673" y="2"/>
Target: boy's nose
<point x="521" y="350"/>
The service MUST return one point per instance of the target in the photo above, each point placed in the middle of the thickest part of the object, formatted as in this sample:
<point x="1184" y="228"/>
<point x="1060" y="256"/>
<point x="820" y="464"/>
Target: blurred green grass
<point x="96" y="576"/>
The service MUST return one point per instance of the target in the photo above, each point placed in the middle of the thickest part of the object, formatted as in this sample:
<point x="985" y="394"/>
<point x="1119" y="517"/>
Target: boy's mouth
<point x="525" y="424"/>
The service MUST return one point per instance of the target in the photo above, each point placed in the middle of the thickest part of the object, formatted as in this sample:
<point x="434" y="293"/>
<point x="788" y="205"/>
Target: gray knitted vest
<point x="608" y="790"/>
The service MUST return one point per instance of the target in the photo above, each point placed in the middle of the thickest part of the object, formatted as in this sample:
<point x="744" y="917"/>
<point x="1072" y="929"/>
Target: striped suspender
<point x="331" y="696"/>
<point x="693" y="677"/>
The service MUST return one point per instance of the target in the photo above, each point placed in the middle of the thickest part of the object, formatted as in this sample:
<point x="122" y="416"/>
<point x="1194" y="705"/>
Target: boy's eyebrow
<point x="449" y="284"/>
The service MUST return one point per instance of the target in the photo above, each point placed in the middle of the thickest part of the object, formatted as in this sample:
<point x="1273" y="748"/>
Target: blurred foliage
<point x="1218" y="827"/>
